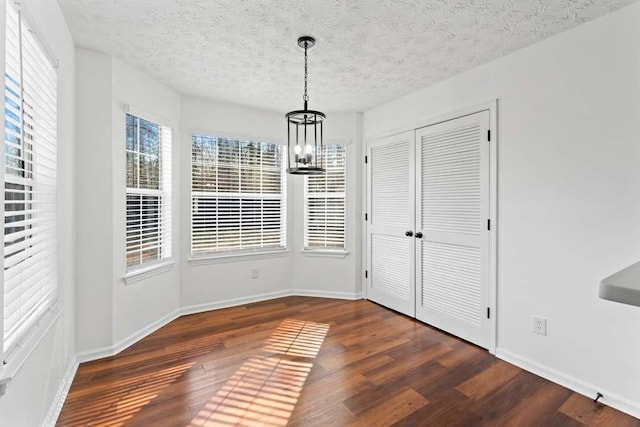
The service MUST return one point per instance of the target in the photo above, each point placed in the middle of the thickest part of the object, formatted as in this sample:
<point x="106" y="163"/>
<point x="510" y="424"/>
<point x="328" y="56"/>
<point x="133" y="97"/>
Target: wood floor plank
<point x="546" y="400"/>
<point x="387" y="372"/>
<point x="394" y="409"/>
<point x="454" y="375"/>
<point x="488" y="380"/>
<point x="497" y="405"/>
<point x="558" y="419"/>
<point x="338" y="361"/>
<point x="329" y="392"/>
<point x="406" y="378"/>
<point x="446" y="409"/>
<point x="316" y="362"/>
<point x="334" y="415"/>
<point x="462" y="352"/>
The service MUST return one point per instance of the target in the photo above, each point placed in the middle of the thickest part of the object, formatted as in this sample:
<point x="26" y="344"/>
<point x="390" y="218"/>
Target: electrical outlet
<point x="539" y="325"/>
<point x="255" y="273"/>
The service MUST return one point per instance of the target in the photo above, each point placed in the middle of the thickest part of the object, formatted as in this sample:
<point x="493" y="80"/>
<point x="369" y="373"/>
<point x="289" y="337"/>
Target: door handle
<point x="408" y="233"/>
<point x="418" y="235"/>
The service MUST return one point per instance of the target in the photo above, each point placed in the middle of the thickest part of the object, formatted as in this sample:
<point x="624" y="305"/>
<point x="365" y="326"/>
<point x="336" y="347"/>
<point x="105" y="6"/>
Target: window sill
<point x="235" y="257"/>
<point x="142" y="273"/>
<point x="21" y="353"/>
<point x="325" y="253"/>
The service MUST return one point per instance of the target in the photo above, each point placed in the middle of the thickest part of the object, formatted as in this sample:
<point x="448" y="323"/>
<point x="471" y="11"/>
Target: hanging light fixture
<point x="304" y="130"/>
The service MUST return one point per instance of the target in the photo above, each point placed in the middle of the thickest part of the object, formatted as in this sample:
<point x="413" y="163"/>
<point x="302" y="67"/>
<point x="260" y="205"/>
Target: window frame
<point x="214" y="257"/>
<point x="324" y="251"/>
<point x="148" y="268"/>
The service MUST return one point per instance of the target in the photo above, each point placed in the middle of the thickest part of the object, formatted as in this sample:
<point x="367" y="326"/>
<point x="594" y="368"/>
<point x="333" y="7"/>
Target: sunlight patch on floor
<point x="266" y="388"/>
<point x="128" y="397"/>
<point x="297" y="338"/>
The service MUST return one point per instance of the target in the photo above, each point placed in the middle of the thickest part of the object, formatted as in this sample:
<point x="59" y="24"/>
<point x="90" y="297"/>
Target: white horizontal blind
<point x="148" y="147"/>
<point x="30" y="276"/>
<point x="238" y="195"/>
<point x="325" y="203"/>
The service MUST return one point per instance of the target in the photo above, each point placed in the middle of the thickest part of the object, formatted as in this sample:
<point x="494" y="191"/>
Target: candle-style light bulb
<point x="308" y="149"/>
<point x="297" y="149"/>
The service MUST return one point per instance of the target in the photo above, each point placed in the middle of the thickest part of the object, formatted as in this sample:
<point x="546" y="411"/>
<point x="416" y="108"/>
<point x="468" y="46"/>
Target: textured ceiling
<point x="368" y="51"/>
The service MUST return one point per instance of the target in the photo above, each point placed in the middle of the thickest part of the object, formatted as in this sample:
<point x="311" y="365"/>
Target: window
<point x="30" y="153"/>
<point x="238" y="196"/>
<point x="324" y="203"/>
<point x="148" y="147"/>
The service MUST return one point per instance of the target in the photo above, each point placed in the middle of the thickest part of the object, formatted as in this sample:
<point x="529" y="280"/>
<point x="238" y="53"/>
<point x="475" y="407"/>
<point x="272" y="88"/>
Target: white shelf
<point x="623" y="286"/>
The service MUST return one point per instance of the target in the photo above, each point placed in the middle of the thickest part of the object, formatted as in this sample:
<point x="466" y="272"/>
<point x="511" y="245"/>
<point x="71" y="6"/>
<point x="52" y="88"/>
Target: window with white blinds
<point x="30" y="155"/>
<point x="238" y="195"/>
<point x="148" y="147"/>
<point x="324" y="203"/>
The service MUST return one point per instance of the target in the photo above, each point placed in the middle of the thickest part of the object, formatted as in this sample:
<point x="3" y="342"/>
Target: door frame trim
<point x="492" y="107"/>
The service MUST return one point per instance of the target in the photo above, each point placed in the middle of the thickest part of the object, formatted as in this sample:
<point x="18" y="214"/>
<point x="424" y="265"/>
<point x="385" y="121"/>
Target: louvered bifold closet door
<point x="391" y="214"/>
<point x="452" y="208"/>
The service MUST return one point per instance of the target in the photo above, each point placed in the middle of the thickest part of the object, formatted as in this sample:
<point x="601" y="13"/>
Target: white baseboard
<point x="61" y="395"/>
<point x="95" y="354"/>
<point x="611" y="399"/>
<point x="233" y="302"/>
<point x="326" y="294"/>
<point x="99" y="353"/>
<point x="147" y="330"/>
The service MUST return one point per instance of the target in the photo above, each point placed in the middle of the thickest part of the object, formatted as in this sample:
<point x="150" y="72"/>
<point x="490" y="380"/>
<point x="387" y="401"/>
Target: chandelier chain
<point x="305" y="98"/>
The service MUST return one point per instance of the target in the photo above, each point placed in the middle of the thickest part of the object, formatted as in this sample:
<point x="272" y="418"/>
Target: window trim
<point x="144" y="271"/>
<point x="31" y="339"/>
<point x="324" y="251"/>
<point x="248" y="254"/>
<point x="237" y="256"/>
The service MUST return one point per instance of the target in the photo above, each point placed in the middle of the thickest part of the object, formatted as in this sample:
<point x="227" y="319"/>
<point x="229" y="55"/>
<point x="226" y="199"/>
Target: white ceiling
<point x="368" y="51"/>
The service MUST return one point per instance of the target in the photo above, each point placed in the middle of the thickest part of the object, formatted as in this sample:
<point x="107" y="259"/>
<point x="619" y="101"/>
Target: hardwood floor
<point x="313" y="361"/>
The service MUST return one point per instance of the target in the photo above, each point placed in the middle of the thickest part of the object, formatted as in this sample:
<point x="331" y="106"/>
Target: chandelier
<point x="304" y="130"/>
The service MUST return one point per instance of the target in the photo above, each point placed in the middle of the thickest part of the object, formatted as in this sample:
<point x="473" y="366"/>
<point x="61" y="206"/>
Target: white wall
<point x="32" y="393"/>
<point x="110" y="313"/>
<point x="139" y="304"/>
<point x="94" y="169"/>
<point x="568" y="195"/>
